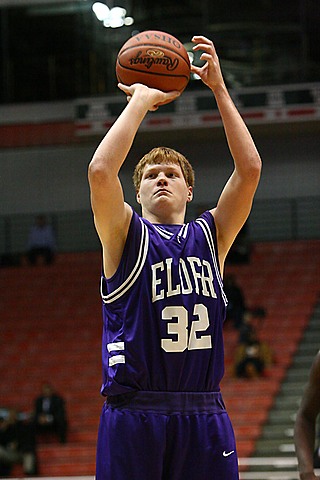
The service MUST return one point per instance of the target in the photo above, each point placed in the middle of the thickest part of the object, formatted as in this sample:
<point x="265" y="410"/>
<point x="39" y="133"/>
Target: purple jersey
<point x="163" y="311"/>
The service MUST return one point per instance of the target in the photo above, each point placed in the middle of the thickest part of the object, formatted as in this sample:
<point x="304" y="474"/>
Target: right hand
<point x="151" y="96"/>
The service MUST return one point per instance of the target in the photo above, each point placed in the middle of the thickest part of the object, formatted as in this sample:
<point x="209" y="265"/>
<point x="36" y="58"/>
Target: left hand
<point x="151" y="96"/>
<point x="210" y="72"/>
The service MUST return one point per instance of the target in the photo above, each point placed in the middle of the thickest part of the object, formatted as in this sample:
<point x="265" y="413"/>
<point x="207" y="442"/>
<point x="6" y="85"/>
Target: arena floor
<point x="268" y="468"/>
<point x="276" y="468"/>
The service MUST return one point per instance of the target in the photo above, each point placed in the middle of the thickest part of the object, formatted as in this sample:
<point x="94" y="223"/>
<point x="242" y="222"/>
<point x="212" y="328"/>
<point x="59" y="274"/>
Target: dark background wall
<point x="55" y="178"/>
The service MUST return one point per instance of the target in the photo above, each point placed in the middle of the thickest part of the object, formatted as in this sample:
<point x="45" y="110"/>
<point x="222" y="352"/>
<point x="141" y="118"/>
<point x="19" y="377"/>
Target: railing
<point x="198" y="109"/>
<point x="71" y="122"/>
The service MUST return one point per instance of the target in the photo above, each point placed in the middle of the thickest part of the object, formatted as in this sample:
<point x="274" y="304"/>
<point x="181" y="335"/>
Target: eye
<point x="171" y="175"/>
<point x="150" y="175"/>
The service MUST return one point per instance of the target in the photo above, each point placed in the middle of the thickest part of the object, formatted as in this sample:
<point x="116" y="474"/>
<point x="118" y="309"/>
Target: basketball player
<point x="305" y="425"/>
<point x="163" y="299"/>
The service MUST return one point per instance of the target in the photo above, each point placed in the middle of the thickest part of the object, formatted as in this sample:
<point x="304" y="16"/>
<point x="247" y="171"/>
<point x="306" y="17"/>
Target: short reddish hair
<point x="163" y="155"/>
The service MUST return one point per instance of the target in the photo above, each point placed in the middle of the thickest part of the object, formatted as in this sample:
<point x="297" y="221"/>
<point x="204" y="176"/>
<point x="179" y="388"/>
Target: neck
<point x="164" y="219"/>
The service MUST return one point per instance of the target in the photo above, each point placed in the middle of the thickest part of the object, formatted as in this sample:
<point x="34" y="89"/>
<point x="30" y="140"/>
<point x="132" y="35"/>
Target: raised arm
<point x="235" y="201"/>
<point x="111" y="214"/>
<point x="305" y="425"/>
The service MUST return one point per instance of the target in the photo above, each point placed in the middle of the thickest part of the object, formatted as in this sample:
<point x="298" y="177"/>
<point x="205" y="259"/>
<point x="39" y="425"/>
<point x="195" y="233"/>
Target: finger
<point x="206" y="57"/>
<point x="124" y="88"/>
<point x="195" y="69"/>
<point x="206" y="47"/>
<point x="200" y="38"/>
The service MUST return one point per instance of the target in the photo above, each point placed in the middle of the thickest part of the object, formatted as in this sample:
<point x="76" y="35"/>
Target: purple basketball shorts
<point x="166" y="436"/>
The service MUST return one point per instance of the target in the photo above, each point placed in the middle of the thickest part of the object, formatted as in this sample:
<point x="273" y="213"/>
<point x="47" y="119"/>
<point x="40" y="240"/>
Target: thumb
<point x="172" y="95"/>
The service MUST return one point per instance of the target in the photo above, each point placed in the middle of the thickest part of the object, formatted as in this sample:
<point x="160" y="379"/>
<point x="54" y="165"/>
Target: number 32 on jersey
<point x="182" y="340"/>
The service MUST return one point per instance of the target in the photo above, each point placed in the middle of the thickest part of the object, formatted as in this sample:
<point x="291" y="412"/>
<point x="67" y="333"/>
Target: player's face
<point x="163" y="191"/>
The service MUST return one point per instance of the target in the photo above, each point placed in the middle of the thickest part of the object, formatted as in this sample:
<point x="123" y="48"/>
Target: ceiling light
<point x="101" y="10"/>
<point x="114" y="17"/>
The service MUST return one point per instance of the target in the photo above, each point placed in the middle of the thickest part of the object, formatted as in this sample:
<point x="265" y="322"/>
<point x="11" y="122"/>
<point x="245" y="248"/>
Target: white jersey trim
<point x="165" y="233"/>
<point x="116" y="359"/>
<point x="208" y="234"/>
<point x="127" y="284"/>
<point x="115" y="347"/>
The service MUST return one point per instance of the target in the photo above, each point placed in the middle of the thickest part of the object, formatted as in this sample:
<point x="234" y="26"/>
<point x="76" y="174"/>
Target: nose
<point x="162" y="180"/>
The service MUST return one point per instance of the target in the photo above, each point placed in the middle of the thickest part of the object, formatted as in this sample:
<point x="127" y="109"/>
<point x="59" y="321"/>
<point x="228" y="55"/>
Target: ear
<point x="190" y="194"/>
<point x="138" y="197"/>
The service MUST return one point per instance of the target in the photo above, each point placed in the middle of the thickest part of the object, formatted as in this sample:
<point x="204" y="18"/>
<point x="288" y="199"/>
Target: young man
<point x="305" y="425"/>
<point x="163" y="299"/>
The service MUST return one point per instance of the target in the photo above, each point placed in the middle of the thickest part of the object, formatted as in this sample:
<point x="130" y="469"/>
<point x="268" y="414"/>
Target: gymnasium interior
<point x="58" y="97"/>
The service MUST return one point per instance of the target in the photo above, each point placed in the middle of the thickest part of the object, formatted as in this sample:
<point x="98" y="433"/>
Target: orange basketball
<point x="156" y="59"/>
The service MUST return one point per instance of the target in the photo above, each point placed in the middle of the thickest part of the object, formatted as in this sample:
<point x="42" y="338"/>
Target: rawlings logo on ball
<point x="155" y="53"/>
<point x="150" y="59"/>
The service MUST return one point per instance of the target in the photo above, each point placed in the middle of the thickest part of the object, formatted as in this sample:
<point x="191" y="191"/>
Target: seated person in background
<point x="17" y="444"/>
<point x="50" y="413"/>
<point x="252" y="357"/>
<point x="252" y="319"/>
<point x="247" y="327"/>
<point x="240" y="251"/>
<point x="236" y="302"/>
<point x="41" y="242"/>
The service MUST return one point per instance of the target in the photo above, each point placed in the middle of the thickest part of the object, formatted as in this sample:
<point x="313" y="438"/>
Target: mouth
<point x="162" y="191"/>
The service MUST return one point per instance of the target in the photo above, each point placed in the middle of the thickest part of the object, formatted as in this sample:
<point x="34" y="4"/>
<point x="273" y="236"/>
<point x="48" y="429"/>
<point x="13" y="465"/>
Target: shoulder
<point x="208" y="216"/>
<point x="58" y="399"/>
<point x="137" y="226"/>
<point x="207" y="219"/>
<point x="132" y="257"/>
<point x="206" y="223"/>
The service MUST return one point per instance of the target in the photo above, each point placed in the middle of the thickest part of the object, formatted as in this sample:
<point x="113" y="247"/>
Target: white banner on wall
<point x="277" y="104"/>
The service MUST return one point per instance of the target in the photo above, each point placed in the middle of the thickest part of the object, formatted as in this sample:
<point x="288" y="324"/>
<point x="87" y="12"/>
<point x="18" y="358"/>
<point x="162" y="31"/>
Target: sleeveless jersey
<point x="163" y="311"/>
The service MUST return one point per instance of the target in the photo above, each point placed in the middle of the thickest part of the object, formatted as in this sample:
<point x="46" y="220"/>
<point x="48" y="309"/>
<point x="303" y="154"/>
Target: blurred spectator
<point x="236" y="301"/>
<point x="251" y="321"/>
<point x="17" y="444"/>
<point x="240" y="251"/>
<point x="252" y="356"/>
<point x="41" y="242"/>
<point x="247" y="327"/>
<point x="50" y="413"/>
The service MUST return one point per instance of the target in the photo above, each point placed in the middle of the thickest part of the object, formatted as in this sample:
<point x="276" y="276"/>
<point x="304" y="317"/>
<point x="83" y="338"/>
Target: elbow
<point x="95" y="166"/>
<point x="248" y="168"/>
<point x="97" y="172"/>
<point x="254" y="167"/>
<point x="258" y="162"/>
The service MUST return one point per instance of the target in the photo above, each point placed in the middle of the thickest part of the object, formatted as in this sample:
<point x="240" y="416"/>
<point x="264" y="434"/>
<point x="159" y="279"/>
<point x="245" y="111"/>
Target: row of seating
<point x="282" y="278"/>
<point x="51" y="329"/>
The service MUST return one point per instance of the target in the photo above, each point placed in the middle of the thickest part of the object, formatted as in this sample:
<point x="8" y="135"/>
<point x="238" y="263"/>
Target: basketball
<point x="156" y="59"/>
